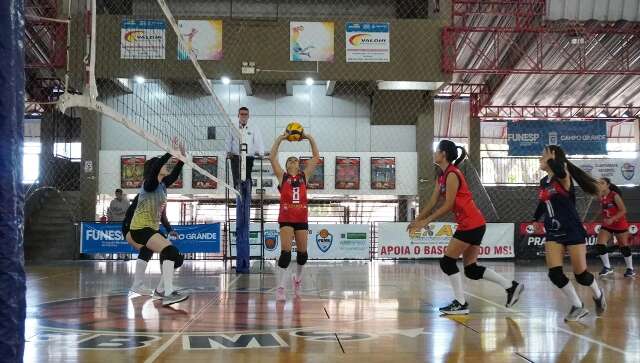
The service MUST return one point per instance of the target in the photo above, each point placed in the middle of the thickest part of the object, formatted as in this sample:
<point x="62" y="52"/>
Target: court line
<point x="591" y="340"/>
<point x="175" y="336"/>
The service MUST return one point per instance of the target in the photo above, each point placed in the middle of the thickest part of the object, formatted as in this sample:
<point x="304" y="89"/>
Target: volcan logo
<point x="628" y="170"/>
<point x="270" y="239"/>
<point x="358" y="39"/>
<point x="324" y="239"/>
<point x="135" y="35"/>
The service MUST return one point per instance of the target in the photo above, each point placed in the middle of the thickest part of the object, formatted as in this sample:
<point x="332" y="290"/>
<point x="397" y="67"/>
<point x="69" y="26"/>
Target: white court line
<point x="175" y="336"/>
<point x="601" y="343"/>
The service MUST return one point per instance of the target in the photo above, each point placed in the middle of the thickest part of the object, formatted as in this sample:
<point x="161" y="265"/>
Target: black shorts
<point x="614" y="231"/>
<point x="295" y="226"/>
<point x="142" y="236"/>
<point x="472" y="236"/>
<point x="570" y="238"/>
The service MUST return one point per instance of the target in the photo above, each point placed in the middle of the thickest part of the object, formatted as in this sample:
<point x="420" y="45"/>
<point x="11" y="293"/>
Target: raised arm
<point x="175" y="173"/>
<point x="273" y="156"/>
<point x="315" y="156"/>
<point x="151" y="181"/>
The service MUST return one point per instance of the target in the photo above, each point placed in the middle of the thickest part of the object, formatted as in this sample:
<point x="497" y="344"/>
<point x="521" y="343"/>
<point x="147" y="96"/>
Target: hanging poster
<point x="203" y="37"/>
<point x="131" y="171"/>
<point x="383" y="173"/>
<point x="311" y="41"/>
<point x="347" y="173"/>
<point x="142" y="39"/>
<point x="200" y="181"/>
<point x="178" y="183"/>
<point x="315" y="181"/>
<point x="367" y="42"/>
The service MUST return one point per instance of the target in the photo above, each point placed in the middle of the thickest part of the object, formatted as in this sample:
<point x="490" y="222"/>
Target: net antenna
<point x="134" y="120"/>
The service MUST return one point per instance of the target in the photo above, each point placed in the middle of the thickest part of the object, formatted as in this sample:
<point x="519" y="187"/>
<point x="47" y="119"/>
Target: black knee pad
<point x="474" y="272"/>
<point x="626" y="251"/>
<point x="601" y="249"/>
<point x="145" y="254"/>
<point x="448" y="265"/>
<point x="557" y="276"/>
<point x="179" y="261"/>
<point x="285" y="259"/>
<point x="302" y="258"/>
<point x="170" y="253"/>
<point x="585" y="278"/>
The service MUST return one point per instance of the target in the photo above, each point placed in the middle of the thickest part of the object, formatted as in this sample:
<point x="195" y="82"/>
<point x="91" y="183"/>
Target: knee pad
<point x="585" y="278"/>
<point x="558" y="277"/>
<point x="145" y="254"/>
<point x="448" y="265"/>
<point x="285" y="259"/>
<point x="626" y="251"/>
<point x="601" y="249"/>
<point x="179" y="261"/>
<point x="302" y="258"/>
<point x="170" y="253"/>
<point x="474" y="272"/>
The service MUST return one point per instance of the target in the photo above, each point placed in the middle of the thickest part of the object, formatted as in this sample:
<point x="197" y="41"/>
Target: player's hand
<point x="177" y="144"/>
<point x="173" y="234"/>
<point x="416" y="226"/>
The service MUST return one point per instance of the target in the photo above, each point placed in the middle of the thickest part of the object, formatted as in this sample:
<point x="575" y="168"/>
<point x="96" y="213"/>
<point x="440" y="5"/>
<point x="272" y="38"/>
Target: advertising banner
<point x="107" y="238"/>
<point x="203" y="37"/>
<point x="620" y="171"/>
<point x="367" y="42"/>
<point x="395" y="242"/>
<point x="311" y="41"/>
<point x="528" y="138"/>
<point x="142" y="39"/>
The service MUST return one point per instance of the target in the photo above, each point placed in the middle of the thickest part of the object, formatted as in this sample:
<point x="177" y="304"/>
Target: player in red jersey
<point x="614" y="223"/>
<point x="294" y="216"/>
<point x="453" y="187"/>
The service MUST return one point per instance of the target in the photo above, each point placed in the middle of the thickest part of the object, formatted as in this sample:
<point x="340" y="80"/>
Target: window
<point x="31" y="162"/>
<point x="68" y="150"/>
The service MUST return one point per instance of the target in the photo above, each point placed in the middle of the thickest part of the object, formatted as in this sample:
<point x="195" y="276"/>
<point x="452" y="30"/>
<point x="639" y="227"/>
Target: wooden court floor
<point x="363" y="312"/>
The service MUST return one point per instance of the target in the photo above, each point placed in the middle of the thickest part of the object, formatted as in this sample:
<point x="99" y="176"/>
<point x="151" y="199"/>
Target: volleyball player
<point x="152" y="200"/>
<point x="145" y="254"/>
<point x="563" y="228"/>
<point x="293" y="217"/>
<point x="469" y="233"/>
<point x="614" y="223"/>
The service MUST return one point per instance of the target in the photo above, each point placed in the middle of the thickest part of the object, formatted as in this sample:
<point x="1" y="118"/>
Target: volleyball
<point x="294" y="131"/>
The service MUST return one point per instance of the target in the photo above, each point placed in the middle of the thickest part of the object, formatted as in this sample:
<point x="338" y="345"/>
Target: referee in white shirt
<point x="255" y="146"/>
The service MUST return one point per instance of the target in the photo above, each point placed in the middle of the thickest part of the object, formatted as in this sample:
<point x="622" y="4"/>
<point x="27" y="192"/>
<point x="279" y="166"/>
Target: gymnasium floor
<point x="350" y="312"/>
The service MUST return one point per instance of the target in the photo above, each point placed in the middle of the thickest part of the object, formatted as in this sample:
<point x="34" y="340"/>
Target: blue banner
<point x="527" y="138"/>
<point x="107" y="238"/>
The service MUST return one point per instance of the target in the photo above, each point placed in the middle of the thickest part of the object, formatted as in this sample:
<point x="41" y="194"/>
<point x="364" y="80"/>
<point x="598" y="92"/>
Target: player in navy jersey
<point x="294" y="215"/>
<point x="564" y="229"/>
<point x="452" y="187"/>
<point x="614" y="223"/>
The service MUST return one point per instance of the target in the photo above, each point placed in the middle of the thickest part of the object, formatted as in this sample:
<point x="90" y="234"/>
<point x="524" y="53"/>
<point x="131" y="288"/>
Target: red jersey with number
<point x="467" y="215"/>
<point x="293" y="199"/>
<point x="610" y="209"/>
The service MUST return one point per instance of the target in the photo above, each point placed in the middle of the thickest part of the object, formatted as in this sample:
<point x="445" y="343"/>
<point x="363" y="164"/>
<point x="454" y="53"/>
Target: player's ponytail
<point x="612" y="186"/>
<point x="584" y="180"/>
<point x="147" y="166"/>
<point x="463" y="155"/>
<point x="450" y="149"/>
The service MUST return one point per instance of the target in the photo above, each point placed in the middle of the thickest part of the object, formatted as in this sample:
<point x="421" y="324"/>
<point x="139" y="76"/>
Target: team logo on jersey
<point x="324" y="239"/>
<point x="270" y="239"/>
<point x="628" y="170"/>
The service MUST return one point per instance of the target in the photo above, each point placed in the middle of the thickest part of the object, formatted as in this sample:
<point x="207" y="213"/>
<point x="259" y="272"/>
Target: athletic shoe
<point x="280" y="295"/>
<point x="576" y="313"/>
<point x="175" y="297"/>
<point x="140" y="290"/>
<point x="606" y="271"/>
<point x="513" y="293"/>
<point x="455" y="308"/>
<point x="630" y="273"/>
<point x="157" y="294"/>
<point x="296" y="285"/>
<point x="601" y="303"/>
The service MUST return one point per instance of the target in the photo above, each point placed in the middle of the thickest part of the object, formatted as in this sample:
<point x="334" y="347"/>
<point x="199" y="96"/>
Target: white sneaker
<point x="140" y="290"/>
<point x="174" y="298"/>
<point x="280" y="295"/>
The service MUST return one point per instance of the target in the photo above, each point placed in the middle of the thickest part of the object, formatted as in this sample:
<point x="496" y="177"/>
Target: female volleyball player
<point x="614" y="223"/>
<point x="563" y="227"/>
<point x="293" y="217"/>
<point x="152" y="200"/>
<point x="145" y="254"/>
<point x="468" y="236"/>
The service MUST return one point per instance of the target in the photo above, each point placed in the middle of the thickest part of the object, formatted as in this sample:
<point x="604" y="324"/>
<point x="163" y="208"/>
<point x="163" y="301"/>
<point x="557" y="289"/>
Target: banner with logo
<point x="395" y="242"/>
<point x="200" y="181"/>
<point x="142" y="39"/>
<point x="528" y="138"/>
<point x="367" y="42"/>
<point x="531" y="238"/>
<point x="311" y="41"/>
<point x="203" y="37"/>
<point x="620" y="171"/>
<point x="107" y="238"/>
<point x="325" y="242"/>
